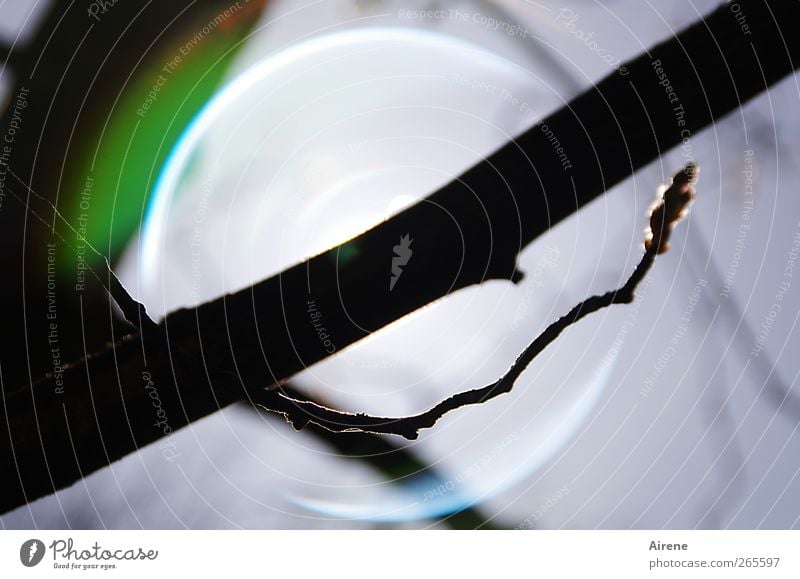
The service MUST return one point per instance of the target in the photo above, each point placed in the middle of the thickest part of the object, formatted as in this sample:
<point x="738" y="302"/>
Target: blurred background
<point x="206" y="147"/>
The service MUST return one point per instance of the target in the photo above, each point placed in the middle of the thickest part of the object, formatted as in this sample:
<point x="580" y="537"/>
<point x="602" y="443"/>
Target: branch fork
<point x="664" y="214"/>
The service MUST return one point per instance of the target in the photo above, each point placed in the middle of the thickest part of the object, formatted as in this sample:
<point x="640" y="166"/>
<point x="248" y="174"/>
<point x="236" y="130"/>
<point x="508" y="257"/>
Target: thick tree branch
<point x="201" y="359"/>
<point x="664" y="215"/>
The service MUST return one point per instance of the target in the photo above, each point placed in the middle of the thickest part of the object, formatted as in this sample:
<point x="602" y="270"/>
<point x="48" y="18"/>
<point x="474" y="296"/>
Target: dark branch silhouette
<point x="664" y="215"/>
<point x="198" y="360"/>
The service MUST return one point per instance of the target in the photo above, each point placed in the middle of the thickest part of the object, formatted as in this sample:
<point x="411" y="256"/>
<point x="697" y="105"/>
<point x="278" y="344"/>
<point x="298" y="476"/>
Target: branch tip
<point x="664" y="215"/>
<point x="670" y="208"/>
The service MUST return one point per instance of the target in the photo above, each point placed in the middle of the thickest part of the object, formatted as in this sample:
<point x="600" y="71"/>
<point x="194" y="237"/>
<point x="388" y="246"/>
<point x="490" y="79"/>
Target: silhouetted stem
<point x="471" y="230"/>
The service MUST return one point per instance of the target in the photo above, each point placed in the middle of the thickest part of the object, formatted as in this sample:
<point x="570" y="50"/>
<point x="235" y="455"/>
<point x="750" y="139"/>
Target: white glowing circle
<point x="330" y="97"/>
<point x="319" y="142"/>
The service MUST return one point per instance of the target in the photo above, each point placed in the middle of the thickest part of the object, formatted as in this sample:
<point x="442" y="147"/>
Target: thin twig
<point x="664" y="214"/>
<point x="134" y="311"/>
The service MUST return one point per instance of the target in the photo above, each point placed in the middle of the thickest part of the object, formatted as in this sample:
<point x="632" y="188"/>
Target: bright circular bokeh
<point x="321" y="141"/>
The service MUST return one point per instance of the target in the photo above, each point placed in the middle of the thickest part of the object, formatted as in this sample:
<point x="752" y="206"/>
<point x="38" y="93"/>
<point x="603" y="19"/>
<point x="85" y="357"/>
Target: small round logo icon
<point x="31" y="552"/>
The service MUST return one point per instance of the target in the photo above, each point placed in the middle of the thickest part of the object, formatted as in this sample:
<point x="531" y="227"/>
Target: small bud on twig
<point x="671" y="208"/>
<point x="664" y="214"/>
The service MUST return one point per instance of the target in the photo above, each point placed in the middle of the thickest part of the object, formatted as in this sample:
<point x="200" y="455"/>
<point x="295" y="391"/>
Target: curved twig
<point x="664" y="214"/>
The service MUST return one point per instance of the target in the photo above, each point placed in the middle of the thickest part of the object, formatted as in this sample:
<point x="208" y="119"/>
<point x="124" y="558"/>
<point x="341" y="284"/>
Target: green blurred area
<point x="107" y="193"/>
